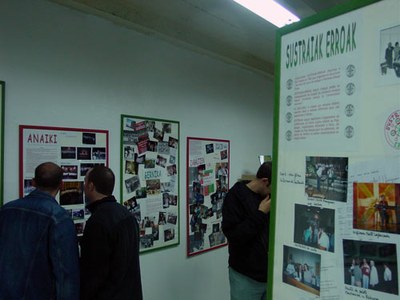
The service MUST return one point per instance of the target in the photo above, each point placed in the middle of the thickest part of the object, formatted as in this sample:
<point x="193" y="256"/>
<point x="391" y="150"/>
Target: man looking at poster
<point x="245" y="223"/>
<point x="110" y="266"/>
<point x="39" y="249"/>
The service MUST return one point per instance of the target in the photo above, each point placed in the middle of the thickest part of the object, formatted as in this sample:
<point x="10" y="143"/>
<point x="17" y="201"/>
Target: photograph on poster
<point x="207" y="185"/>
<point x="70" y="171"/>
<point x="376" y="206"/>
<point x="326" y="178"/>
<point x="371" y="265"/>
<point x="390" y="54"/>
<point x="71" y="193"/>
<point x="314" y="227"/>
<point x="89" y="138"/>
<point x="302" y="269"/>
<point x="150" y="178"/>
<point x="68" y="152"/>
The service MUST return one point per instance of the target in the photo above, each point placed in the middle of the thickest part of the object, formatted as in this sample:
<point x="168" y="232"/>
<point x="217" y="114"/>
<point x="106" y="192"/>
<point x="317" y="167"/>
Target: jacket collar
<point x="94" y="205"/>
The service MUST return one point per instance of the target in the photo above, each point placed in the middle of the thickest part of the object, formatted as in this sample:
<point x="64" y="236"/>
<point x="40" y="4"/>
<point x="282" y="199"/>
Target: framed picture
<point x="150" y="178"/>
<point x="75" y="150"/>
<point x="207" y="185"/>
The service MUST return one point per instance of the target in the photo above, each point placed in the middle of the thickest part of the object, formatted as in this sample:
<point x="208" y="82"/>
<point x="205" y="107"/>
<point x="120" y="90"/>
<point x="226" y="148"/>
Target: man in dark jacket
<point x="38" y="244"/>
<point x="110" y="266"/>
<point x="245" y="223"/>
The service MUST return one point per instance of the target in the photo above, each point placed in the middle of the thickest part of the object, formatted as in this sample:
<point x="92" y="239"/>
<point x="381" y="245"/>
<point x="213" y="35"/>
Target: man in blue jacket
<point x="245" y="223"/>
<point x="38" y="244"/>
<point x="110" y="268"/>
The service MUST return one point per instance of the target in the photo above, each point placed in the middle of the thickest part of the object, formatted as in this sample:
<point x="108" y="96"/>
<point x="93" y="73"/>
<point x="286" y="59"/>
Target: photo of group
<point x="326" y="178"/>
<point x="302" y="269"/>
<point x="314" y="227"/>
<point x="376" y="206"/>
<point x="371" y="265"/>
<point x="390" y="54"/>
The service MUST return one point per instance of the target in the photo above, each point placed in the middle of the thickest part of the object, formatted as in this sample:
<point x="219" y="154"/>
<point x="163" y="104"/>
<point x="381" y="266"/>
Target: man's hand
<point x="265" y="204"/>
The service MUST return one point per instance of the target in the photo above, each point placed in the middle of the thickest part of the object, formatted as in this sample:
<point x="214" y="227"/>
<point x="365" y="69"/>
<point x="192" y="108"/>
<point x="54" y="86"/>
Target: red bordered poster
<point x="207" y="185"/>
<point x="76" y="150"/>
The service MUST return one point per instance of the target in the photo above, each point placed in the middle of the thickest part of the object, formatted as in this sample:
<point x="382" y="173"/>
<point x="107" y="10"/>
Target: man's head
<point x="261" y="185"/>
<point x="99" y="183"/>
<point x="48" y="177"/>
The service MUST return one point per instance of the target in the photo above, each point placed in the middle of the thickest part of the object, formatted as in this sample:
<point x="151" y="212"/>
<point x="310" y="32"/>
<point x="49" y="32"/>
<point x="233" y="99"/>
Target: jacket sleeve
<point x="64" y="256"/>
<point x="95" y="263"/>
<point x="240" y="222"/>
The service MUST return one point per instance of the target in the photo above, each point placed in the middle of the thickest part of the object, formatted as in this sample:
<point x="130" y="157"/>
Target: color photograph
<point x="376" y="206"/>
<point x="326" y="178"/>
<point x="371" y="265"/>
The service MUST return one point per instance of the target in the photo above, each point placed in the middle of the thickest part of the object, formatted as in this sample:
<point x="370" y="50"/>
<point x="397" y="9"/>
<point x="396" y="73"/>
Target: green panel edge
<point x="3" y="89"/>
<point x="179" y="188"/>
<point x="320" y="17"/>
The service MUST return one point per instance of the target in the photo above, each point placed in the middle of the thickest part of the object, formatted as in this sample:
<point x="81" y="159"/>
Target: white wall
<point x="65" y="68"/>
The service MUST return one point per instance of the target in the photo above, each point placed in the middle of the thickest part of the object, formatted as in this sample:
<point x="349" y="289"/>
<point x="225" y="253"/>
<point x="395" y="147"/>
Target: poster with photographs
<point x="336" y="183"/>
<point x="207" y="185"/>
<point x="74" y="150"/>
<point x="2" y="90"/>
<point x="150" y="178"/>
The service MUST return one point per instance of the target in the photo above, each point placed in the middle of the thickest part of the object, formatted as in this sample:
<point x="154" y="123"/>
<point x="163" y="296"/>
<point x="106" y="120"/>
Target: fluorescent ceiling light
<point x="270" y="11"/>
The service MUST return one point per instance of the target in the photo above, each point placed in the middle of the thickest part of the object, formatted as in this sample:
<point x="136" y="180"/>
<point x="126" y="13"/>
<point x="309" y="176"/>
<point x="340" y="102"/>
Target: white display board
<point x="337" y="188"/>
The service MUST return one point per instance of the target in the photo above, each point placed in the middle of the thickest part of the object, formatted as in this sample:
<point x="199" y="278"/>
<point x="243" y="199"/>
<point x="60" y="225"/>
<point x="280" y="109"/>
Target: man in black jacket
<point x="245" y="223"/>
<point x="110" y="266"/>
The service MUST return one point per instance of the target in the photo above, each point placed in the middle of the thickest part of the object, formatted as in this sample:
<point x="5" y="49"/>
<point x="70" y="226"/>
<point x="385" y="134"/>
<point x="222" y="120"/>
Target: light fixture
<point x="270" y="10"/>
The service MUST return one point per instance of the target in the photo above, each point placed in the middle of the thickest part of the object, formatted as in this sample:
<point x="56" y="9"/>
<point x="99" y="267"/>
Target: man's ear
<point x="266" y="181"/>
<point x="34" y="182"/>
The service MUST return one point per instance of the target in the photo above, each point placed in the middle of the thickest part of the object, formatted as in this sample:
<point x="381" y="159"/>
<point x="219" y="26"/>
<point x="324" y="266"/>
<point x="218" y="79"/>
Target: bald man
<point x="38" y="244"/>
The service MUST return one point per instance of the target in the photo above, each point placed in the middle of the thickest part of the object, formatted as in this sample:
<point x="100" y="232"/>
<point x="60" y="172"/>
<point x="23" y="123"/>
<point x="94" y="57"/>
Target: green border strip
<point x="2" y="104"/>
<point x="312" y="20"/>
<point x="123" y="116"/>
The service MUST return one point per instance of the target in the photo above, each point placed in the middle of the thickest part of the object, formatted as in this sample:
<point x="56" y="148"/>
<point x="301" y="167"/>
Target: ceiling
<point x="220" y="28"/>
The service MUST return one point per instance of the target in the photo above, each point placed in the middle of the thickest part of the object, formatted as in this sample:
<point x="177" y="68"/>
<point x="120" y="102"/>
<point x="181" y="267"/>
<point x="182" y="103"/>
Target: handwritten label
<point x="291" y="177"/>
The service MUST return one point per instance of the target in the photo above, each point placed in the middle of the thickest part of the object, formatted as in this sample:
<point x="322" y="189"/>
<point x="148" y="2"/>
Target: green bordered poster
<point x="336" y="210"/>
<point x="150" y="178"/>
<point x="2" y="90"/>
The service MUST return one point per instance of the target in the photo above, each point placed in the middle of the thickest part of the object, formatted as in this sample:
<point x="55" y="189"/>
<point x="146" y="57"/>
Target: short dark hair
<point x="103" y="179"/>
<point x="48" y="176"/>
<point x="265" y="171"/>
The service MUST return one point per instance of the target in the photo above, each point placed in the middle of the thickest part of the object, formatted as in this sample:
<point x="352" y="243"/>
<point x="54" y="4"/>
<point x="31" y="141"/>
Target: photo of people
<point x="371" y="265"/>
<point x="70" y="172"/>
<point x="315" y="227"/>
<point x="89" y="138"/>
<point x="68" y="152"/>
<point x="84" y="153"/>
<point x="390" y="54"/>
<point x="131" y="167"/>
<point x="99" y="153"/>
<point x="302" y="269"/>
<point x="326" y="178"/>
<point x="376" y="206"/>
<point x="131" y="184"/>
<point x="71" y="193"/>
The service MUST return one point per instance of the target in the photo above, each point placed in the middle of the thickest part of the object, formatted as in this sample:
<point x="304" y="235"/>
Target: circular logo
<point x="392" y="129"/>
<point x="289" y="117"/>
<point x="289" y="84"/>
<point x="350" y="88"/>
<point x="288" y="135"/>
<point x="289" y="100"/>
<point x="350" y="70"/>
<point x="349" y="132"/>
<point x="349" y="110"/>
